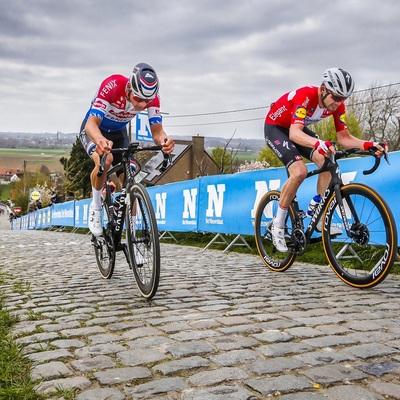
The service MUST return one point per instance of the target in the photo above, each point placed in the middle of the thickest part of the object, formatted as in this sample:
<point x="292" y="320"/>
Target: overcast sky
<point x="212" y="56"/>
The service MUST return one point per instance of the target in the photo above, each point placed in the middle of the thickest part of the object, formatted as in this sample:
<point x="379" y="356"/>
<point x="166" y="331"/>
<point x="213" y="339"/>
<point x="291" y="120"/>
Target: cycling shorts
<point x="277" y="138"/>
<point x="119" y="138"/>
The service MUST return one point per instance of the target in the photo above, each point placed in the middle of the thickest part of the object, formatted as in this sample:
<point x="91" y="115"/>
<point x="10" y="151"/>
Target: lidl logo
<point x="300" y="112"/>
<point x="342" y="118"/>
<point x="35" y="195"/>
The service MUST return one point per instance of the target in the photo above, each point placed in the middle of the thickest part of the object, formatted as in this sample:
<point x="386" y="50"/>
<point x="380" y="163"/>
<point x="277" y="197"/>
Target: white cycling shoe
<point x="278" y="237"/>
<point x="334" y="231"/>
<point x="95" y="224"/>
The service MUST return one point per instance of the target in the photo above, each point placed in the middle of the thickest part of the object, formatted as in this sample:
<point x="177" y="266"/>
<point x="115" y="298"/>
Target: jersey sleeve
<point x="153" y="111"/>
<point x="339" y="118"/>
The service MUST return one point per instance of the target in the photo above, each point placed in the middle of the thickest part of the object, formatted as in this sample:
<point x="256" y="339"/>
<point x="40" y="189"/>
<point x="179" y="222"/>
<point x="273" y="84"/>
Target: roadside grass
<point x="15" y="378"/>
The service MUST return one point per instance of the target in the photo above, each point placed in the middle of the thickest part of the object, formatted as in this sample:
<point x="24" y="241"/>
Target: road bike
<point x="364" y="251"/>
<point x="132" y="210"/>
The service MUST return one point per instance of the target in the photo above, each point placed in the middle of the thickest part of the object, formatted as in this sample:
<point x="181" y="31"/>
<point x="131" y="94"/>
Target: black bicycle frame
<point x="117" y="221"/>
<point x="334" y="187"/>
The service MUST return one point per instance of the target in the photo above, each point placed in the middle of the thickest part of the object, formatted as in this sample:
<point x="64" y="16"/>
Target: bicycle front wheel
<point x="143" y="241"/>
<point x="364" y="257"/>
<point x="266" y="210"/>
<point x="105" y="254"/>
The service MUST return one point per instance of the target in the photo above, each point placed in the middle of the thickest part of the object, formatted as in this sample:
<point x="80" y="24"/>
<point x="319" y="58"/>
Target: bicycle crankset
<point x="298" y="241"/>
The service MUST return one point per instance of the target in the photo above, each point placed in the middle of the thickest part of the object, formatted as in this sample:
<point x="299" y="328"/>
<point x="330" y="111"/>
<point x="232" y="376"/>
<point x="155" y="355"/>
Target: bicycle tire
<point x="143" y="241"/>
<point x="266" y="210"/>
<point x="366" y="259"/>
<point x="105" y="254"/>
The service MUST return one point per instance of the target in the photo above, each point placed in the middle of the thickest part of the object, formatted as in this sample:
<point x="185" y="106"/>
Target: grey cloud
<point x="210" y="55"/>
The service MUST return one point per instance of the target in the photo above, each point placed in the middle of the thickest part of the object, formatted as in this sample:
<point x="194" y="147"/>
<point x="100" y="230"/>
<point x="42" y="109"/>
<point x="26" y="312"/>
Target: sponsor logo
<point x="108" y="87"/>
<point x="300" y="112"/>
<point x="99" y="104"/>
<point x="342" y="119"/>
<point x="276" y="114"/>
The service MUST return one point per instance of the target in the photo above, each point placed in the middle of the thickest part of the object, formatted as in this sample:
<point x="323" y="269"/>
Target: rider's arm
<point x="92" y="130"/>
<point x="161" y="138"/>
<point x="297" y="135"/>
<point x="347" y="140"/>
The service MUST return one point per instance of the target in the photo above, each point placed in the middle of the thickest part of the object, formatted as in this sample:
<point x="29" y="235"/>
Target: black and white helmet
<point x="338" y="81"/>
<point x="144" y="81"/>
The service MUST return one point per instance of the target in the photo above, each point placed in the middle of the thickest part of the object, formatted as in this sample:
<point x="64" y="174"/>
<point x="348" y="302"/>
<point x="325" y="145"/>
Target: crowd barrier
<point x="223" y="204"/>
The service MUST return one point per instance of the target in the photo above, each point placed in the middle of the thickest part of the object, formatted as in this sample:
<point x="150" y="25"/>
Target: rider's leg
<point x="99" y="181"/>
<point x="324" y="178"/>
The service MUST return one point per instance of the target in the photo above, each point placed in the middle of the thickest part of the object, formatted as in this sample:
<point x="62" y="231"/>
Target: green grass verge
<point x="15" y="379"/>
<point x="314" y="254"/>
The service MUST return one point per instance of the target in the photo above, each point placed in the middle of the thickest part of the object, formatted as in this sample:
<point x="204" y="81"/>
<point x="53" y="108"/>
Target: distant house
<point x="189" y="161"/>
<point x="6" y="174"/>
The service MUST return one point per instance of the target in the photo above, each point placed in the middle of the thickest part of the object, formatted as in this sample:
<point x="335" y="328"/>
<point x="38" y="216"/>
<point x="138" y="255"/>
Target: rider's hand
<point x="168" y="145"/>
<point x="380" y="147"/>
<point x="103" y="146"/>
<point x="324" y="147"/>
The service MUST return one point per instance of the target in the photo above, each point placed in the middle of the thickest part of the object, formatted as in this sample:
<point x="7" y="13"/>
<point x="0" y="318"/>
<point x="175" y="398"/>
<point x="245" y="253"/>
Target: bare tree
<point x="378" y="112"/>
<point x="226" y="158"/>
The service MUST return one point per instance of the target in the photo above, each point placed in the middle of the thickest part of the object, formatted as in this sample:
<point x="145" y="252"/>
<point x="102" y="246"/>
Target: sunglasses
<point x="336" y="98"/>
<point x="139" y="100"/>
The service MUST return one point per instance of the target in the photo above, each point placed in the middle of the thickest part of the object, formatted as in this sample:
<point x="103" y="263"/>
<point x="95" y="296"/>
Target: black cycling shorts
<point x="119" y="138"/>
<point x="277" y="138"/>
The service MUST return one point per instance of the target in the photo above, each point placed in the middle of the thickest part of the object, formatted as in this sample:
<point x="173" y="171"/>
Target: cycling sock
<point x="280" y="216"/>
<point x="96" y="201"/>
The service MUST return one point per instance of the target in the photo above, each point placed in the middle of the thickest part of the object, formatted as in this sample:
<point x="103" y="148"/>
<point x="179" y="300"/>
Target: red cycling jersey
<point x="301" y="107"/>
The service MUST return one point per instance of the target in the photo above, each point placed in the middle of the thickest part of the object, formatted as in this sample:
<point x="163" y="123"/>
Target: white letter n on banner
<point x="189" y="206"/>
<point x="262" y="188"/>
<point x="215" y="200"/>
<point x="160" y="205"/>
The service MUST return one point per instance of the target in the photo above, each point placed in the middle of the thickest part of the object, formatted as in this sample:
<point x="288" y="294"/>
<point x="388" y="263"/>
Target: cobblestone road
<point x="221" y="326"/>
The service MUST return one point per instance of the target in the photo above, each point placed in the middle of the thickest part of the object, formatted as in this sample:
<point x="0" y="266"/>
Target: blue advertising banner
<point x="82" y="213"/>
<point x="62" y="214"/>
<point x="226" y="204"/>
<point x="176" y="205"/>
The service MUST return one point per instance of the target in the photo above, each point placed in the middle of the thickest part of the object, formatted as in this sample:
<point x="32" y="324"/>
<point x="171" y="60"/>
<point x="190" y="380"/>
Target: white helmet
<point x="338" y="81"/>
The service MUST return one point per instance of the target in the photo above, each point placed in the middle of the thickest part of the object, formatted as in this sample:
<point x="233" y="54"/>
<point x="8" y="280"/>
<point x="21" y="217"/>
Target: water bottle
<point x="313" y="204"/>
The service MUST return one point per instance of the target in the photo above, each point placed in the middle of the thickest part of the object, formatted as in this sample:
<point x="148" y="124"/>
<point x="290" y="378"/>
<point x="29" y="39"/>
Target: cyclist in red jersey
<point x="287" y="134"/>
<point x="117" y="101"/>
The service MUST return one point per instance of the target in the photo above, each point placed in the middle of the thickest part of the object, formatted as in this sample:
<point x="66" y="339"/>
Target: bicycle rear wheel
<point x="266" y="210"/>
<point x="366" y="258"/>
<point x="143" y="241"/>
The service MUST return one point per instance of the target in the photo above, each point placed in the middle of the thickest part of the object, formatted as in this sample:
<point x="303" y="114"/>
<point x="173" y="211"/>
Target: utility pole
<point x="25" y="162"/>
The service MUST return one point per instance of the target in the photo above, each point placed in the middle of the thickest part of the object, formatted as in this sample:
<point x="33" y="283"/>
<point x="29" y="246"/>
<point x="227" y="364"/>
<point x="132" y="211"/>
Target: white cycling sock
<point x="96" y="201"/>
<point x="280" y="216"/>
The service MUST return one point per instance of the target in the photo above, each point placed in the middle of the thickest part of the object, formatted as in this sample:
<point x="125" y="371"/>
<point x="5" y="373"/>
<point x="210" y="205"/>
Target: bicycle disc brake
<point x="360" y="233"/>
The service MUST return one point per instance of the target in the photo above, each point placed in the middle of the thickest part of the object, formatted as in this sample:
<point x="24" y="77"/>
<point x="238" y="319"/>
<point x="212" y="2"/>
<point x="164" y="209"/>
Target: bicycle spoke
<point x="364" y="257"/>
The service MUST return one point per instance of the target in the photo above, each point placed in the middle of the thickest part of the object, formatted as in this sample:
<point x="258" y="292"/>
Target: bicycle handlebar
<point x="132" y="149"/>
<point x="346" y="153"/>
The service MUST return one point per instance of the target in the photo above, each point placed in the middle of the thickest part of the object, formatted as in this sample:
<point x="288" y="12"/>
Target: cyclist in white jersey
<point x="117" y="101"/>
